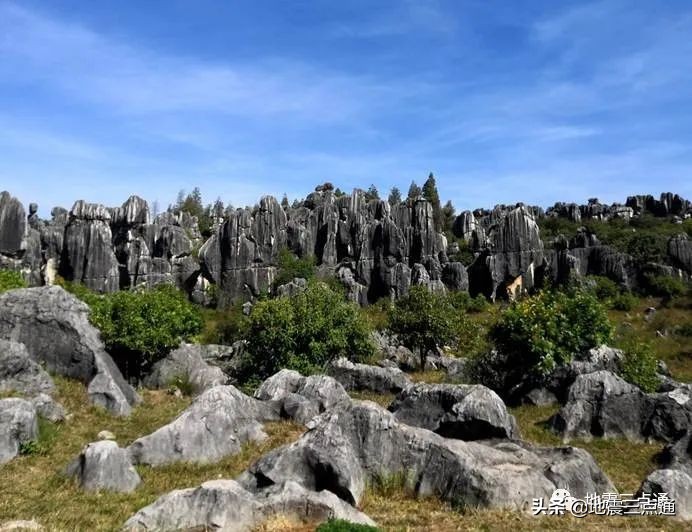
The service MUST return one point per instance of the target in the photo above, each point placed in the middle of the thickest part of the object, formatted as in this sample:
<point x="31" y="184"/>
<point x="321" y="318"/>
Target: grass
<point x="673" y="348"/>
<point x="33" y="486"/>
<point x="382" y="399"/>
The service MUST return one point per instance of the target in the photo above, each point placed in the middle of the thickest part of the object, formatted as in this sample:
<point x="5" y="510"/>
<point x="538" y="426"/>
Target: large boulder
<point x="185" y="364"/>
<point x="19" y="373"/>
<point x="215" y="425"/>
<point x="466" y="412"/>
<point x="348" y="447"/>
<point x="226" y="506"/>
<point x="604" y="405"/>
<point x="302" y="398"/>
<point x="102" y="465"/>
<point x="54" y="326"/>
<point x="676" y="484"/>
<point x="18" y="425"/>
<point x="377" y="379"/>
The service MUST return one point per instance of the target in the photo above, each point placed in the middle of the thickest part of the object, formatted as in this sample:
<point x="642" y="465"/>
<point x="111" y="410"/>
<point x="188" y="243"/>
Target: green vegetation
<point x="9" y="280"/>
<point x="638" y="365"/>
<point x="664" y="286"/>
<point x="290" y="266"/>
<point x="141" y="326"/>
<point x="423" y="320"/>
<point x="304" y="332"/>
<point x="339" y="525"/>
<point x="47" y="435"/>
<point x="537" y="333"/>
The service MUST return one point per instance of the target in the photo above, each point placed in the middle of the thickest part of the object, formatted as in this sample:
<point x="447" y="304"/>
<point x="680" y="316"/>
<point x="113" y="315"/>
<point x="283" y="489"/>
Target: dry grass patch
<point x="432" y="376"/>
<point x="382" y="399"/>
<point x="33" y="487"/>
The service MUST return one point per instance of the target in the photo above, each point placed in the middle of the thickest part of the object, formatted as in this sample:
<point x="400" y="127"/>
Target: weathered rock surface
<point x="185" y="364"/>
<point x="20" y="373"/>
<point x="215" y="425"/>
<point x="54" y="327"/>
<point x="347" y="447"/>
<point x="364" y="377"/>
<point x="225" y="505"/>
<point x="604" y="405"/>
<point x="302" y="398"/>
<point x="465" y="412"/>
<point x="676" y="484"/>
<point x="103" y="465"/>
<point x="18" y="425"/>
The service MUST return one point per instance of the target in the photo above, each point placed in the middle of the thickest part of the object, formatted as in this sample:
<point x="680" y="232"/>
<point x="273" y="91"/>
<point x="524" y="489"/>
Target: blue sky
<point x="533" y="101"/>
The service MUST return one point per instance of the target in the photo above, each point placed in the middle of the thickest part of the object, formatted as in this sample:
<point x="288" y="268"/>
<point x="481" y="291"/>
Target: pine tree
<point x="430" y="193"/>
<point x="448" y="216"/>
<point x="372" y="193"/>
<point x="284" y="202"/>
<point x="414" y="191"/>
<point x="394" y="196"/>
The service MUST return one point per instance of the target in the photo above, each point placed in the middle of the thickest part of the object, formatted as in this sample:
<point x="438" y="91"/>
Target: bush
<point x="638" y="366"/>
<point x="9" y="280"/>
<point x="290" y="266"/>
<point x="664" y="286"/>
<point x="423" y="320"/>
<point x="303" y="332"/>
<point x="625" y="301"/>
<point x="341" y="525"/>
<point x="141" y="326"/>
<point x="538" y="333"/>
<point x="603" y="287"/>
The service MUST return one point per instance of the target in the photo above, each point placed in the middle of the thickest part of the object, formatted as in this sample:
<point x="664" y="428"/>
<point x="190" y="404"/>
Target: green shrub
<point x="290" y="266"/>
<point x="223" y="326"/>
<point x="9" y="280"/>
<point x="47" y="434"/>
<point x="663" y="286"/>
<point x="423" y="320"/>
<point x="603" y="287"/>
<point x="625" y="301"/>
<point x="638" y="366"/>
<point x="141" y="326"/>
<point x="303" y="332"/>
<point x="540" y="332"/>
<point x="341" y="525"/>
<point x="478" y="304"/>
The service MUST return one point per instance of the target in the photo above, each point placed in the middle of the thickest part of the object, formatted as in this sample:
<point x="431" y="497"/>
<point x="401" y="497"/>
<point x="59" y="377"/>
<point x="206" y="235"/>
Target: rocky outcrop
<point x="225" y="505"/>
<point x="215" y="425"/>
<point x="185" y="366"/>
<point x="54" y="327"/>
<point x="18" y="425"/>
<point x="20" y="374"/>
<point x="377" y="379"/>
<point x="302" y="398"/>
<point x="104" y="466"/>
<point x="680" y="250"/>
<point x="604" y="405"/>
<point x="346" y="448"/>
<point x="465" y="412"/>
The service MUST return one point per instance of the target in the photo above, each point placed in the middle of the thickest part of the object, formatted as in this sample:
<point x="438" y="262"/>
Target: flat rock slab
<point x="226" y="506"/>
<point x="215" y="425"/>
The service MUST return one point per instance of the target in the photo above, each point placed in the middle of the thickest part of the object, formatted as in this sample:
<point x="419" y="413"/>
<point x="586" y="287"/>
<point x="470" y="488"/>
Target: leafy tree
<point x="10" y="280"/>
<point x="141" y="326"/>
<point x="414" y="191"/>
<point x="394" y="196"/>
<point x="538" y="333"/>
<point x="303" y="332"/>
<point x="430" y="193"/>
<point x="284" y="202"/>
<point x="423" y="320"/>
<point x="338" y="193"/>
